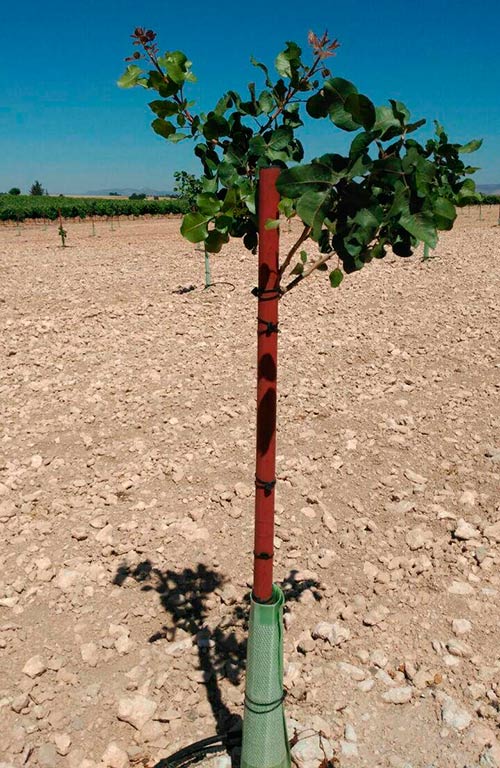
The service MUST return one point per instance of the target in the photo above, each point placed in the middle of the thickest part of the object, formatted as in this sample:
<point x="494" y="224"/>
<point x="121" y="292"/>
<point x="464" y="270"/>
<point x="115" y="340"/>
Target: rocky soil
<point x="126" y="466"/>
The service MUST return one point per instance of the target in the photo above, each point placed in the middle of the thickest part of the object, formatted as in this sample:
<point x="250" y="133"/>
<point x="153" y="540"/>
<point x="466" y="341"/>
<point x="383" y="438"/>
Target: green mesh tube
<point x="265" y="738"/>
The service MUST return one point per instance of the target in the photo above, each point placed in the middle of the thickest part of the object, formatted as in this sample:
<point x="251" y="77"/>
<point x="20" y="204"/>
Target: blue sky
<point x="64" y="121"/>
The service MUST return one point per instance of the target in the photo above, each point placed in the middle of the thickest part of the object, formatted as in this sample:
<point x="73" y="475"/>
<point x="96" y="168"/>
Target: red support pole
<point x="267" y="366"/>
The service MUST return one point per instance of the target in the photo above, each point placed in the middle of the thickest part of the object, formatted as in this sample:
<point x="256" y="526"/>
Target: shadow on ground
<point x="184" y="596"/>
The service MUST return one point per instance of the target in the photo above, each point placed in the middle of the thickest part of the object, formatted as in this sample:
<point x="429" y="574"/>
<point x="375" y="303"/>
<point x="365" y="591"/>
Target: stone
<point x="418" y="538"/>
<point x="335" y="633"/>
<point x="461" y="626"/>
<point x="413" y="477"/>
<point x="349" y="749"/>
<point x="136" y="711"/>
<point x="468" y="497"/>
<point x="47" y="756"/>
<point x="63" y="743"/>
<point x="375" y="616"/>
<point x="452" y="714"/>
<point x="115" y="756"/>
<point x="305" y="643"/>
<point x="90" y="654"/>
<point x="66" y="579"/>
<point x="355" y="673"/>
<point x="329" y="522"/>
<point x="35" y="667"/>
<point x="465" y="531"/>
<point x="400" y="695"/>
<point x="460" y="588"/>
<point x="492" y="532"/>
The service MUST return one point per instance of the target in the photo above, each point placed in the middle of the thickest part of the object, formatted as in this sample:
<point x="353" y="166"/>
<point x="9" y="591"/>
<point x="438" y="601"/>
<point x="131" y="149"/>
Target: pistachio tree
<point x="389" y="191"/>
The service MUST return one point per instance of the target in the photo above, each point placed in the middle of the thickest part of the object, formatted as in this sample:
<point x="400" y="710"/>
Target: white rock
<point x="460" y="588"/>
<point x="90" y="654"/>
<point x="329" y="522"/>
<point x="413" y="477"/>
<point x="453" y="714"/>
<point x="492" y="532"/>
<point x="115" y="756"/>
<point x="34" y="667"/>
<point x="461" y="626"/>
<point x="418" y="538"/>
<point x="465" y="531"/>
<point x="63" y="743"/>
<point x="335" y="633"/>
<point x="7" y="510"/>
<point x="136" y="711"/>
<point x="398" y="695"/>
<point x="36" y="461"/>
<point x="106" y="535"/>
<point x="66" y="579"/>
<point x="468" y="497"/>
<point x="375" y="616"/>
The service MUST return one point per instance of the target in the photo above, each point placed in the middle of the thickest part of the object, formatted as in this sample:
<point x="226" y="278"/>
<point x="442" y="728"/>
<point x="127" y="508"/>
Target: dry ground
<point x="126" y="466"/>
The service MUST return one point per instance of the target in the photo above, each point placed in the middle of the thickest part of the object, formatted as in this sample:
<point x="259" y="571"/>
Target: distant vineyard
<point x="21" y="207"/>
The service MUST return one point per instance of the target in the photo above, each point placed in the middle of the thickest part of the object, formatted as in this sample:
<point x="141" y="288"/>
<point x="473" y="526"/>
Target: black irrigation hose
<point x="199" y="748"/>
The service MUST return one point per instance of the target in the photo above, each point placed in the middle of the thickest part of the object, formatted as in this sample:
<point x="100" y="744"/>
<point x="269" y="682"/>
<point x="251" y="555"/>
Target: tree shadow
<point x="184" y="596"/>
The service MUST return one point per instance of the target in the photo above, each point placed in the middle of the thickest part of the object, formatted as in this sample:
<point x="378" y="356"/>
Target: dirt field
<point x="126" y="471"/>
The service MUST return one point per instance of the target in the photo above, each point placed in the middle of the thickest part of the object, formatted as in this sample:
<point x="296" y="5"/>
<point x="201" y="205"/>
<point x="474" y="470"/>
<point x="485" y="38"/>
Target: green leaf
<point x="361" y="110"/>
<point x="336" y="277"/>
<point x="176" y="65"/>
<point x="420" y="226"/>
<point x="263" y="67"/>
<point x="471" y="146"/>
<point x="130" y="77"/>
<point x="288" y="61"/>
<point x="215" y="241"/>
<point x="312" y="210"/>
<point x="317" y="106"/>
<point x="215" y="126"/>
<point x="163" y="127"/>
<point x="386" y="124"/>
<point x="400" y="111"/>
<point x="164" y="108"/>
<point x="303" y="257"/>
<point x="266" y="102"/>
<point x="294" y="182"/>
<point x="194" y="227"/>
<point x="298" y="269"/>
<point x="444" y="213"/>
<point x="280" y="138"/>
<point x="208" y="204"/>
<point x="272" y="224"/>
<point x="286" y="206"/>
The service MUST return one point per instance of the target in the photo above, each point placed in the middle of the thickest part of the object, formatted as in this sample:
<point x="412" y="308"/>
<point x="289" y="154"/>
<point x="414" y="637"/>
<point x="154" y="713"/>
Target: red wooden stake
<point x="267" y="365"/>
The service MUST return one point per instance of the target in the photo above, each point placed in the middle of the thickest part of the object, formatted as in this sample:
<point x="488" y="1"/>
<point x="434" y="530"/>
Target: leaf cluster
<point x="388" y="191"/>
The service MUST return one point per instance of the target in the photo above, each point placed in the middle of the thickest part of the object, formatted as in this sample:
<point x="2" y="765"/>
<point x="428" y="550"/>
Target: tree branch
<point x="293" y="250"/>
<point x="326" y="257"/>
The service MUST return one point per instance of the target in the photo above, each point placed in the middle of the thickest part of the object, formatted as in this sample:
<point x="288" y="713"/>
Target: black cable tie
<point x="263" y="556"/>
<point x="266" y="486"/>
<point x="270" y="327"/>
<point x="275" y="293"/>
<point x="269" y="707"/>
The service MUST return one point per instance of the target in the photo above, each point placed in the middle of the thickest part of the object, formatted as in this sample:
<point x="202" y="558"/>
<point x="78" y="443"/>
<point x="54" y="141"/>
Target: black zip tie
<point x="266" y="486"/>
<point x="263" y="556"/>
<point x="270" y="327"/>
<point x="273" y="705"/>
<point x="276" y="293"/>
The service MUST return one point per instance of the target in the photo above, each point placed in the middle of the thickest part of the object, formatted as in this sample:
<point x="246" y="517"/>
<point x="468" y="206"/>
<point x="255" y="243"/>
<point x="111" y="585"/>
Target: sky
<point x="64" y="121"/>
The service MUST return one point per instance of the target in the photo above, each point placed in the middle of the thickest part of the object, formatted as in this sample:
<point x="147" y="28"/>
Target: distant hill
<point x="489" y="189"/>
<point x="126" y="191"/>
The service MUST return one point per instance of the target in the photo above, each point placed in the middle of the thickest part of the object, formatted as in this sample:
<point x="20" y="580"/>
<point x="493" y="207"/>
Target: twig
<point x="293" y="250"/>
<point x="307" y="272"/>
